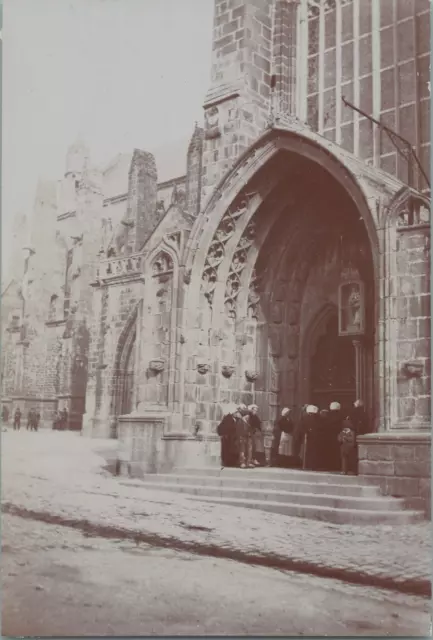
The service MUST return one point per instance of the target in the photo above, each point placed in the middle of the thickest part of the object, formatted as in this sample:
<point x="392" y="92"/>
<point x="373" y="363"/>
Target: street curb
<point x="418" y="587"/>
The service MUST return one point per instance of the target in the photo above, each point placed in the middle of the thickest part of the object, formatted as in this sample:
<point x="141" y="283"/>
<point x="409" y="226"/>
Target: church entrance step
<point x="377" y="503"/>
<point x="269" y="473"/>
<point x="292" y="486"/>
<point x="327" y="514"/>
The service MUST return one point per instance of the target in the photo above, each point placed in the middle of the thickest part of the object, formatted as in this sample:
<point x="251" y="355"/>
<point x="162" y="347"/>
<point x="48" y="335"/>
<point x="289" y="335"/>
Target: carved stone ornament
<point x="227" y="370"/>
<point x="211" y="119"/>
<point x="187" y="277"/>
<point x="412" y="369"/>
<point x="251" y="376"/>
<point x="156" y="365"/>
<point x="203" y="368"/>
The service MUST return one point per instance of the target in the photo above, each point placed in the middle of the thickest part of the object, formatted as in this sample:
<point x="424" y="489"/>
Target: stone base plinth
<point x="400" y="463"/>
<point x="146" y="446"/>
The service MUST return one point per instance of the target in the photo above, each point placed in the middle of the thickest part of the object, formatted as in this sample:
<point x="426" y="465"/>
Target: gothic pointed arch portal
<point x="124" y="376"/>
<point x="296" y="226"/>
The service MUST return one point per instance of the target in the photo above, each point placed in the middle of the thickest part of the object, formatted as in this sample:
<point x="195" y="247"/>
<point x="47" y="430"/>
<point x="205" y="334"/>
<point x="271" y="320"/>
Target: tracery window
<point x="375" y="53"/>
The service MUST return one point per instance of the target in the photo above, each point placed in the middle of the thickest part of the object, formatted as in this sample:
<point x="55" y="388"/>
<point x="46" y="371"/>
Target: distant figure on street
<point x="347" y="441"/>
<point x="29" y="420"/>
<point x="37" y="420"/>
<point x="228" y="432"/>
<point x="57" y="421"/>
<point x="5" y="415"/>
<point x="64" y="418"/>
<point x="17" y="419"/>
<point x="284" y="424"/>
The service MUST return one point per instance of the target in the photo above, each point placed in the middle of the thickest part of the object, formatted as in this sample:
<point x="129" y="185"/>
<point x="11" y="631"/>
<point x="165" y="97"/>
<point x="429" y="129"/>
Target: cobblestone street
<point x="62" y="476"/>
<point x="58" y="582"/>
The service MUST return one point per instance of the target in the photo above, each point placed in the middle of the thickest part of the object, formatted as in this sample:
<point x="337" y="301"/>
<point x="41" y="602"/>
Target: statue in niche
<point x="351" y="308"/>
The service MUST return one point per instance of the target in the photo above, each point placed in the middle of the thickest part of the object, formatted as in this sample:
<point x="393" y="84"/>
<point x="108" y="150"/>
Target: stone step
<point x="257" y="482"/>
<point x="375" y="503"/>
<point x="269" y="473"/>
<point x="326" y="514"/>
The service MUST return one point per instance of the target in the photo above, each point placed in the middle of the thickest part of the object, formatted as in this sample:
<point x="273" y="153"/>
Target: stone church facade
<point x="290" y="263"/>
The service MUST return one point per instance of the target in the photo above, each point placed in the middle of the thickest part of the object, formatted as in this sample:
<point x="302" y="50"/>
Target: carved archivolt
<point x="216" y="253"/>
<point x="239" y="262"/>
<point x="254" y="295"/>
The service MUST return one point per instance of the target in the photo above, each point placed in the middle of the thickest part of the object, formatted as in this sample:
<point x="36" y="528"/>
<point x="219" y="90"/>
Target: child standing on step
<point x="347" y="441"/>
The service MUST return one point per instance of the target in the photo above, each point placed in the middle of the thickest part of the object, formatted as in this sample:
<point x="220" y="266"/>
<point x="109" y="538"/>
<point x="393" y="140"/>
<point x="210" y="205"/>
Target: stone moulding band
<point x="396" y="437"/>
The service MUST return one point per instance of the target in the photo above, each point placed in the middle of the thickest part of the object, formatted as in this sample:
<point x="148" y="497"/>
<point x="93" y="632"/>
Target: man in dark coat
<point x="310" y="429"/>
<point x="228" y="432"/>
<point x="359" y="419"/>
<point x="64" y="415"/>
<point x="255" y="428"/>
<point x="284" y="424"/>
<point x="5" y="414"/>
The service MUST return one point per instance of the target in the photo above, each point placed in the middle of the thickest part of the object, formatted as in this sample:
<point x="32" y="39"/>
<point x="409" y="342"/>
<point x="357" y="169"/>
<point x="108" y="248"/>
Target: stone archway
<point x="268" y="252"/>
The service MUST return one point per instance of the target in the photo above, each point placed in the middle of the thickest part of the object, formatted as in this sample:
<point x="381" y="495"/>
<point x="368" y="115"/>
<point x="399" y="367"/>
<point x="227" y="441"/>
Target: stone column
<point x="359" y="369"/>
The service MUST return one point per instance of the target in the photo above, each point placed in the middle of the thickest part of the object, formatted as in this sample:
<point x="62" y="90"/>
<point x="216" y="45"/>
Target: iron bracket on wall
<point x="404" y="147"/>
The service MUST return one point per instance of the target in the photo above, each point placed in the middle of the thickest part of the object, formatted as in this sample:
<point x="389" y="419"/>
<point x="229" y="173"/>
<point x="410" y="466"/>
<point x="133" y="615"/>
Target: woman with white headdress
<point x="334" y="427"/>
<point x="284" y="425"/>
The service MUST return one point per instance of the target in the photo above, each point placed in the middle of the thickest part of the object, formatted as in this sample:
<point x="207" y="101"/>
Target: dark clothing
<point x="5" y="415"/>
<point x="359" y="419"/>
<point x="17" y="419"/>
<point x="64" y="418"/>
<point x="332" y="448"/>
<point x="310" y="430"/>
<point x="284" y="424"/>
<point x="228" y="430"/>
<point x="347" y="441"/>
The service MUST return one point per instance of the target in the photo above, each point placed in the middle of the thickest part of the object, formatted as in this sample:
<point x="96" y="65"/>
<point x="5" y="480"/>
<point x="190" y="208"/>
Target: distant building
<point x="287" y="261"/>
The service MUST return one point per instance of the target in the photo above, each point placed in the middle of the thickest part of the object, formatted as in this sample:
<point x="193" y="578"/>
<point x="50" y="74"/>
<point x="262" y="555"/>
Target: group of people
<point x="320" y="440"/>
<point x="33" y="419"/>
<point x="60" y="422"/>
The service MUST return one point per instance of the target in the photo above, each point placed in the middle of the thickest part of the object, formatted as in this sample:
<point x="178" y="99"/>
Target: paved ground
<point x="59" y="474"/>
<point x="58" y="582"/>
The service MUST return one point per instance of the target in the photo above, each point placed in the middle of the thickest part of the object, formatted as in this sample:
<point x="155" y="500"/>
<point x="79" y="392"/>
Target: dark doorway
<point x="333" y="369"/>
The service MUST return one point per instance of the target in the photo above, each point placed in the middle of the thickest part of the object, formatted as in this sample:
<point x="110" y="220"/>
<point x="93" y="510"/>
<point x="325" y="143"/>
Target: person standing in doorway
<point x="5" y="415"/>
<point x="245" y="438"/>
<point x="255" y="427"/>
<point x="284" y="424"/>
<point x="347" y="441"/>
<point x="228" y="432"/>
<point x="310" y="429"/>
<point x="334" y="427"/>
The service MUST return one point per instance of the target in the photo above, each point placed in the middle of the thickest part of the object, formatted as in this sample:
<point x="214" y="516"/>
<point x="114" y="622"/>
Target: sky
<point x="117" y="74"/>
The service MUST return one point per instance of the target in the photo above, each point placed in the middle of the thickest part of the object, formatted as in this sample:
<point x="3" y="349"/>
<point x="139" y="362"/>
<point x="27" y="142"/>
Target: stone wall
<point x="400" y="463"/>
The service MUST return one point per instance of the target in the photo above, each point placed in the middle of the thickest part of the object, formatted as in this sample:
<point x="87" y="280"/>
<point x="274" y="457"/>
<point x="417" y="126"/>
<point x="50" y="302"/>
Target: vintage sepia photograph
<point x="216" y="318"/>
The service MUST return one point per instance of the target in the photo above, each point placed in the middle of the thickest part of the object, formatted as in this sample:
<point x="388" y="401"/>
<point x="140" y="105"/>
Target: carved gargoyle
<point x="227" y="370"/>
<point x="412" y="369"/>
<point x="251" y="376"/>
<point x="187" y="277"/>
<point x="203" y="368"/>
<point x="156" y="365"/>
